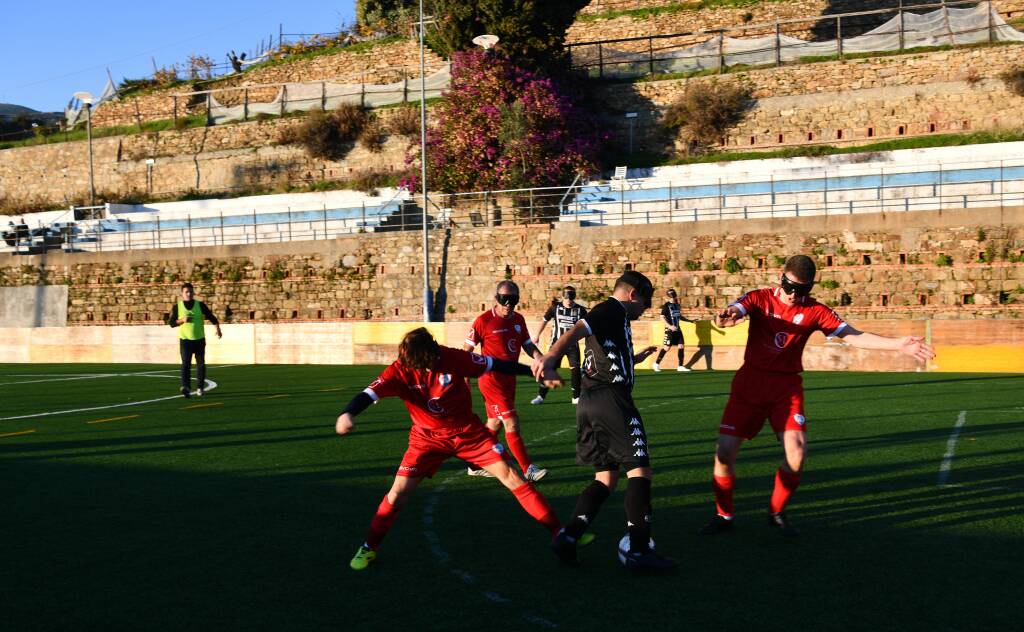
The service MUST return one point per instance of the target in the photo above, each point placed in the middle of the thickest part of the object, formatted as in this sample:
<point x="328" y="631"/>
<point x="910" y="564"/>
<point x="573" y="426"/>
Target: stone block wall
<point x="927" y="93"/>
<point x="213" y="159"/>
<point x="768" y="11"/>
<point x="872" y="266"/>
<point x="386" y="63"/>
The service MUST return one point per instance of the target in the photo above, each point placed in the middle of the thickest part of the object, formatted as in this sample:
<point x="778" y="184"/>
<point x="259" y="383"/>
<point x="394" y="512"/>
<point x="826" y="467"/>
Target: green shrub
<point x="943" y="261"/>
<point x="829" y="284"/>
<point x="733" y="265"/>
<point x="778" y="261"/>
<point x="692" y="266"/>
<point x="371" y="138"/>
<point x="405" y="121"/>
<point x="663" y="267"/>
<point x="1014" y="81"/>
<point x="705" y="112"/>
<point x="329" y="135"/>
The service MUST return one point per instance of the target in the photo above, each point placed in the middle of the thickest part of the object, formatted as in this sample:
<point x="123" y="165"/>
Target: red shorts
<point x="756" y="396"/>
<point x="499" y="395"/>
<point x="428" y="450"/>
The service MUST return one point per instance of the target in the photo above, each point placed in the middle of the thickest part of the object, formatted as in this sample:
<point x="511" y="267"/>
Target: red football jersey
<point x="778" y="332"/>
<point x="501" y="338"/>
<point x="437" y="399"/>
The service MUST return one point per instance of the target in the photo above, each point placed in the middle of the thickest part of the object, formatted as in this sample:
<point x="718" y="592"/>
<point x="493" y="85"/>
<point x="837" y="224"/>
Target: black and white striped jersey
<point x="565" y="318"/>
<point x="670" y="313"/>
<point x="608" y="359"/>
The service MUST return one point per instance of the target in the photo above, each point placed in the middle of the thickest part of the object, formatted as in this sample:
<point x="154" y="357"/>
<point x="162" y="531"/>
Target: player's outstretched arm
<point x="642" y="355"/>
<point x="347" y="419"/>
<point x="548" y="363"/>
<point x="550" y="378"/>
<point x="913" y="346"/>
<point x="729" y="317"/>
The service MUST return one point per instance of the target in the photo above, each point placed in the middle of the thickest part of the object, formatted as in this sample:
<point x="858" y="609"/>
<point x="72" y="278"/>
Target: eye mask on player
<point x="569" y="294"/>
<point x="797" y="289"/>
<point x="508" y="300"/>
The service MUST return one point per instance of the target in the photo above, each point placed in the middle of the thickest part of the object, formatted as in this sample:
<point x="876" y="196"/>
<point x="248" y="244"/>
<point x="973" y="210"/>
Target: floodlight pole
<point x="88" y="133"/>
<point x="423" y="175"/>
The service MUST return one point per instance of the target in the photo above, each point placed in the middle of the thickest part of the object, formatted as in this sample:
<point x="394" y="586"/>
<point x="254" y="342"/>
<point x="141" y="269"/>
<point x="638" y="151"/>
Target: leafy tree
<point x="389" y="15"/>
<point x="531" y="32"/>
<point x="500" y="126"/>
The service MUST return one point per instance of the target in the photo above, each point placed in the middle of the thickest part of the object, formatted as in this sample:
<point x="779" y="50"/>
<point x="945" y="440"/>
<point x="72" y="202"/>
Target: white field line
<point x="60" y="379"/>
<point x="947" y="458"/>
<point x="210" y="385"/>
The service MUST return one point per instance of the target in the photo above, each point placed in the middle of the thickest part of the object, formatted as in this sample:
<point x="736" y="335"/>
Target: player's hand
<point x="345" y="424"/>
<point x="673" y="328"/>
<point x="728" y="318"/>
<point x="220" y="334"/>
<point x="551" y="379"/>
<point x="917" y="348"/>
<point x="540" y="365"/>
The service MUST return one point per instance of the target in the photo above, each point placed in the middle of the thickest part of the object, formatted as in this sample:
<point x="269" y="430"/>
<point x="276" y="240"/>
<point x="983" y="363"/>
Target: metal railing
<point x="841" y="191"/>
<point x="648" y="55"/>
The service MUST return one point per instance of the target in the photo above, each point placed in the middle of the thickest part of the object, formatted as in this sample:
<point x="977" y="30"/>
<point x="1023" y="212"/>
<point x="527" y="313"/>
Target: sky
<point x="52" y="50"/>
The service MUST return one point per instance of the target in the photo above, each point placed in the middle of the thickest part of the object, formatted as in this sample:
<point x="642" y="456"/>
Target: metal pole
<point x="158" y="245"/>
<point x="129" y="234"/>
<point x="209" y="112"/>
<point x="255" y="233"/>
<point x="650" y="52"/>
<point x="289" y="223"/>
<point x="222" y="228"/>
<point x="721" y="52"/>
<point x="902" y="36"/>
<point x="839" y="35"/>
<point x="600" y="62"/>
<point x="778" y="45"/>
<point x="88" y="131"/>
<point x="189" y="220"/>
<point x="991" y="25"/>
<point x="423" y="165"/>
<point x="245" y="105"/>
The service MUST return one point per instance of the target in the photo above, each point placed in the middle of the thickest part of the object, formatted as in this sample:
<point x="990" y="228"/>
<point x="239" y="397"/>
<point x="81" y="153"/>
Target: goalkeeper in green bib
<point x="188" y="315"/>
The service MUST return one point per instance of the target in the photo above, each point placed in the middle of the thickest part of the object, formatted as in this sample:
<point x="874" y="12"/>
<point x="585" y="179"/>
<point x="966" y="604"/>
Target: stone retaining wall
<point x="378" y="65"/>
<point x="378" y="276"/>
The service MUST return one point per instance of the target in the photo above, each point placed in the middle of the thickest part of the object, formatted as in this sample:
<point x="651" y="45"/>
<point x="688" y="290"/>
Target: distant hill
<point x="10" y="110"/>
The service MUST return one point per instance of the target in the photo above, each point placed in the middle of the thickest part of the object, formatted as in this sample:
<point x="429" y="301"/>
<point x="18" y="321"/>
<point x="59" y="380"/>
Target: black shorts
<point x="609" y="431"/>
<point x="672" y="337"/>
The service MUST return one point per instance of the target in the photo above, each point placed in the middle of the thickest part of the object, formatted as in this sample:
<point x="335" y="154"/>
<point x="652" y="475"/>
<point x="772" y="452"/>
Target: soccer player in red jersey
<point x="501" y="333"/>
<point x="769" y="386"/>
<point x="430" y="379"/>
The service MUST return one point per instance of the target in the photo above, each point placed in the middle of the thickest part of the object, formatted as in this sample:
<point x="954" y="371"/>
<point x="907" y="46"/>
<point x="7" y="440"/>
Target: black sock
<point x="587" y="506"/>
<point x="638" y="512"/>
<point x="661" y="354"/>
<point x="680" y="352"/>
<point x="575" y="380"/>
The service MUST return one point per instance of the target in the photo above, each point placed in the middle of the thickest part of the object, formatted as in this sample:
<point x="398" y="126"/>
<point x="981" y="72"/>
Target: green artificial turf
<point x="243" y="514"/>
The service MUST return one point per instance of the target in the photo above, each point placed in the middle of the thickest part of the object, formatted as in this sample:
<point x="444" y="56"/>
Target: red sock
<point x="518" y="449"/>
<point x="785" y="484"/>
<point x="537" y="506"/>
<point x="381" y="524"/>
<point x="723" y="494"/>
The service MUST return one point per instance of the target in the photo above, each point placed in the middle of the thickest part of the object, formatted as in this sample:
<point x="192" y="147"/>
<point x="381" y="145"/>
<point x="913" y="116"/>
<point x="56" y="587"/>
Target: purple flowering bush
<point x="501" y="127"/>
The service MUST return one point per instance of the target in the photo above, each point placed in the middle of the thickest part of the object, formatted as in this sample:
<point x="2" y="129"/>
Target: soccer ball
<point x="624" y="548"/>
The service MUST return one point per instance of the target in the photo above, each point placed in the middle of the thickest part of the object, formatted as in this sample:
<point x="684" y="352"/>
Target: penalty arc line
<point x="947" y="458"/>
<point x="442" y="556"/>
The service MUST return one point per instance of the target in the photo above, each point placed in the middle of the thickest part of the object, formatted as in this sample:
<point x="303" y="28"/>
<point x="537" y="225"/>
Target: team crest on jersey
<point x="800" y="420"/>
<point x="518" y="329"/>
<point x="445" y="379"/>
<point x="513" y="346"/>
<point x="781" y="339"/>
<point x="434" y="406"/>
<point x="798" y="319"/>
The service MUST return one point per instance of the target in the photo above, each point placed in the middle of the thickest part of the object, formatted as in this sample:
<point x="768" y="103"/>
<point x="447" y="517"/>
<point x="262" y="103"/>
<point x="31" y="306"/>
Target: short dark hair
<point x="418" y="349"/>
<point x="637" y="281"/>
<point x="802" y="267"/>
<point x="187" y="285"/>
<point x="511" y="285"/>
<point x="568" y="287"/>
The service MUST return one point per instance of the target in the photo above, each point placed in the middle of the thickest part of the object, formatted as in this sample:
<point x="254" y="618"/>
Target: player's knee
<point x="511" y="423"/>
